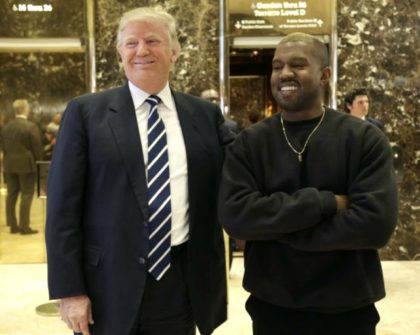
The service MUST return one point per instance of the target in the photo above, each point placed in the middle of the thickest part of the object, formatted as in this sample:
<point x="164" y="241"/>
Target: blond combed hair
<point x="150" y="15"/>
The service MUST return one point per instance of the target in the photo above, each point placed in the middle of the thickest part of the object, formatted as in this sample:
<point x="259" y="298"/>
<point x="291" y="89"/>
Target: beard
<point x="301" y="102"/>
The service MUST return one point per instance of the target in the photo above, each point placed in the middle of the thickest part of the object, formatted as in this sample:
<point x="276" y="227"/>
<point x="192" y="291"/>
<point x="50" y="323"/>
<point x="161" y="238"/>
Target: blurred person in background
<point x="357" y="104"/>
<point x="21" y="145"/>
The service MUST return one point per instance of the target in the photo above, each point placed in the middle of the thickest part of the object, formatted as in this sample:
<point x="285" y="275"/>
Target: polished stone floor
<point x="23" y="288"/>
<point x="18" y="248"/>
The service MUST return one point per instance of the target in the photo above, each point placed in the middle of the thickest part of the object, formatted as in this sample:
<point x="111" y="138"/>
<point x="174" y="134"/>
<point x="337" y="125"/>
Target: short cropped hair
<point x="319" y="48"/>
<point x="20" y="106"/>
<point x="351" y="95"/>
<point x="150" y="15"/>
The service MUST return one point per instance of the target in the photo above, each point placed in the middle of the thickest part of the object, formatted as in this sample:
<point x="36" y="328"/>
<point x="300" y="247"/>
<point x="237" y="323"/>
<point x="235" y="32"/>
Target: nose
<point x="142" y="49"/>
<point x="286" y="72"/>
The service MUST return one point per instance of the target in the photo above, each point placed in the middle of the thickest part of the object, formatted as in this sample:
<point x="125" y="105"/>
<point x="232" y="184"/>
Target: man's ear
<point x="326" y="75"/>
<point x="176" y="50"/>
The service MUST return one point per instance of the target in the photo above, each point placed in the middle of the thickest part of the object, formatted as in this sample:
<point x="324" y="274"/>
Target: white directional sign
<point x="256" y="18"/>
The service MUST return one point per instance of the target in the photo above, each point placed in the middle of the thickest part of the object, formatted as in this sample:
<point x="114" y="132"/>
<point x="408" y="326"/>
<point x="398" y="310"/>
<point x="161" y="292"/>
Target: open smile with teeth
<point x="288" y="88"/>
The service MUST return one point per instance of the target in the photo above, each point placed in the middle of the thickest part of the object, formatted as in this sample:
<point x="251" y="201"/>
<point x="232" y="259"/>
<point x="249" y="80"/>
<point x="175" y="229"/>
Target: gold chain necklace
<point x="300" y="153"/>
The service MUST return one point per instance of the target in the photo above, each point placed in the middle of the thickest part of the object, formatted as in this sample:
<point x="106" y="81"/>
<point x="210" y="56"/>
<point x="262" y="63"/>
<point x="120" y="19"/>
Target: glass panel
<point x="46" y="18"/>
<point x="248" y="103"/>
<point x="47" y="81"/>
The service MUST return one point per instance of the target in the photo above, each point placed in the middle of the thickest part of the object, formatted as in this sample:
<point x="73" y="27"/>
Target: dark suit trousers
<point x="268" y="319"/>
<point x="23" y="183"/>
<point x="165" y="309"/>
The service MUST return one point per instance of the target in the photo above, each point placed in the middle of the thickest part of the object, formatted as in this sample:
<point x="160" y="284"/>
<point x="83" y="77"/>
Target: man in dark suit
<point x="99" y="206"/>
<point x="21" y="144"/>
<point x="357" y="104"/>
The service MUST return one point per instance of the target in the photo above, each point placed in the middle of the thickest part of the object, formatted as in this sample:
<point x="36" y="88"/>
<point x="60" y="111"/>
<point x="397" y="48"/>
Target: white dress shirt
<point x="176" y="151"/>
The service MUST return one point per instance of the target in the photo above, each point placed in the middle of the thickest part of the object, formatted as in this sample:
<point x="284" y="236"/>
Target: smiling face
<point x="298" y="77"/>
<point x="147" y="54"/>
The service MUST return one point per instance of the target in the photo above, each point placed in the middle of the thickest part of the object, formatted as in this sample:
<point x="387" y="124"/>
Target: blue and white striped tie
<point x="159" y="193"/>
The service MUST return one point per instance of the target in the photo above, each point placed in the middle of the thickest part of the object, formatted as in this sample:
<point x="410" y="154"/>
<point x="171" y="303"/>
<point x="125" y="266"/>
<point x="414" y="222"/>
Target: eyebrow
<point x="151" y="35"/>
<point x="294" y="59"/>
<point x="299" y="59"/>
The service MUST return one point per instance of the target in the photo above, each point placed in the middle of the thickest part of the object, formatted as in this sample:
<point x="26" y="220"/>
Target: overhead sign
<point x="42" y="18"/>
<point x="257" y="18"/>
<point x="19" y="7"/>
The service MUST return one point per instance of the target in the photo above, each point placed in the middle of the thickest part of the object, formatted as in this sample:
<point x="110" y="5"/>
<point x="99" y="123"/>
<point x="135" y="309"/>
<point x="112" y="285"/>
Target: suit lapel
<point x="193" y="144"/>
<point x="124" y="127"/>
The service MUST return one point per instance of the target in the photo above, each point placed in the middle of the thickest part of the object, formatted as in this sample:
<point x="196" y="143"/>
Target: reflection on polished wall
<point x="378" y="49"/>
<point x="47" y="80"/>
<point x="376" y="42"/>
<point x="247" y="104"/>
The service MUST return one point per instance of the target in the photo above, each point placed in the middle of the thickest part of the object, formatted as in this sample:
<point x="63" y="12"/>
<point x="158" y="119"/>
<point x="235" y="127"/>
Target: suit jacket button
<point x="142" y="260"/>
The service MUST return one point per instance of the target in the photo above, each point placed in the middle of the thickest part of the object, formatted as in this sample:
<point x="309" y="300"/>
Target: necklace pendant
<point x="300" y="158"/>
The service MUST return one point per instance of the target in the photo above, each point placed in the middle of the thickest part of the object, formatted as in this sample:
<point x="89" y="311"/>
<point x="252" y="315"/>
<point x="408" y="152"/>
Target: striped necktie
<point x="159" y="193"/>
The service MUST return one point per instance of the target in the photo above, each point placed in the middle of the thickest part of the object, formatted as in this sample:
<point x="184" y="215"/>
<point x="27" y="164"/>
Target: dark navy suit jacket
<point x="376" y="123"/>
<point x="96" y="229"/>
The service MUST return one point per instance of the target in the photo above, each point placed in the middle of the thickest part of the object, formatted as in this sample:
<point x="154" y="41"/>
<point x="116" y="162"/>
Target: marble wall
<point x="378" y="49"/>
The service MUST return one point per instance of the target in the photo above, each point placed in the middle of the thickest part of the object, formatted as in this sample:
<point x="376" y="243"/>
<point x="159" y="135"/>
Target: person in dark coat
<point x="357" y="104"/>
<point x="22" y="147"/>
<point x="101" y="263"/>
<point x="312" y="192"/>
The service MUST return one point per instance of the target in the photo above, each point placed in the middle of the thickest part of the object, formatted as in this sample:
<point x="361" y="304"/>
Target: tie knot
<point x="153" y="100"/>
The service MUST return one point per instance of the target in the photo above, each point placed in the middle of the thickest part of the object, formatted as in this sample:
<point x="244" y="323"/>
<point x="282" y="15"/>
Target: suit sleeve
<point x="226" y="135"/>
<point x="371" y="218"/>
<point x="66" y="184"/>
<point x="247" y="213"/>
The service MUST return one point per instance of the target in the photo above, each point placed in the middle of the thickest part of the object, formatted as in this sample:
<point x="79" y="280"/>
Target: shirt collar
<point x="139" y="96"/>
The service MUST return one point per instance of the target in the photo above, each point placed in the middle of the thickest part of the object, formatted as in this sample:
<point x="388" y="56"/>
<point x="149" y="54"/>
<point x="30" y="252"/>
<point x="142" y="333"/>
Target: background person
<point x="357" y="104"/>
<point x="21" y="145"/>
